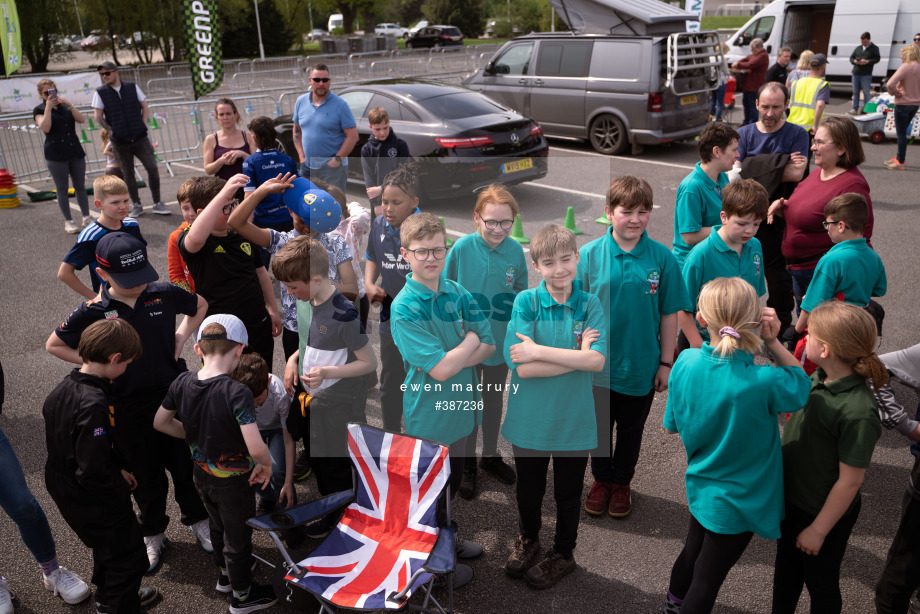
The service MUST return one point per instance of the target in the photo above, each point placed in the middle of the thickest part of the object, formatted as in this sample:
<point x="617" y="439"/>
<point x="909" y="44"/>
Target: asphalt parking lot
<point x="624" y="565"/>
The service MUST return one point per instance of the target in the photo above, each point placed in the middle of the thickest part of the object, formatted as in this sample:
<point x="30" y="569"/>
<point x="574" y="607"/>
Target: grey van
<point x="612" y="90"/>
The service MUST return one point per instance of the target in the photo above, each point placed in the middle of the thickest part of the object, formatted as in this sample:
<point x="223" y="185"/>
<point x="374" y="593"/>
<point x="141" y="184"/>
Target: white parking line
<point x="599" y="155"/>
<point x="577" y="192"/>
<point x="188" y="166"/>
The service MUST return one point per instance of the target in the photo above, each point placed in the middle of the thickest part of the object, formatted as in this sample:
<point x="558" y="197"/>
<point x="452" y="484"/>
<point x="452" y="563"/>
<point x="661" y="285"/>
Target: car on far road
<point x="92" y="42"/>
<point x="316" y="34"/>
<point x="435" y="37"/>
<point x="392" y="29"/>
<point x="463" y="140"/>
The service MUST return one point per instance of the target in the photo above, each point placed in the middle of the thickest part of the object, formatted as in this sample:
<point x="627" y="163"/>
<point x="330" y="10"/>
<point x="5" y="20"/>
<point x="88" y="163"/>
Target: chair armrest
<point x="443" y="556"/>
<point x="301" y="514"/>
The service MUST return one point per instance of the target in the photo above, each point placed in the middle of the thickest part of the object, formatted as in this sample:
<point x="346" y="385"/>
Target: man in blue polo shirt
<point x="130" y="292"/>
<point x="324" y="131"/>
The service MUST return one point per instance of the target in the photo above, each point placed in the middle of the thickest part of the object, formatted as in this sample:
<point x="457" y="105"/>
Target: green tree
<point x="238" y="29"/>
<point x="465" y="14"/>
<point x="39" y="21"/>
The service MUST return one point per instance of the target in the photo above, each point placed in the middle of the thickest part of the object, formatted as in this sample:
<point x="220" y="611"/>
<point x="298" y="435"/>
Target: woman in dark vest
<point x="225" y="150"/>
<point x="63" y="153"/>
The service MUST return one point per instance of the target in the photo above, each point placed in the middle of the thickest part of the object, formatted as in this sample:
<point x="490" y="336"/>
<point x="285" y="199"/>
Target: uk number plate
<point x="517" y="165"/>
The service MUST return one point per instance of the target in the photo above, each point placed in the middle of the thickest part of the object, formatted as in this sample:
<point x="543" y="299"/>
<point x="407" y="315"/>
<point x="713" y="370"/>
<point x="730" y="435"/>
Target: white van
<point x="335" y="21"/>
<point x="832" y="28"/>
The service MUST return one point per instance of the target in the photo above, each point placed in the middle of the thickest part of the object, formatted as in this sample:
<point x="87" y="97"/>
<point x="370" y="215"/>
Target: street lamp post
<point x="255" y="3"/>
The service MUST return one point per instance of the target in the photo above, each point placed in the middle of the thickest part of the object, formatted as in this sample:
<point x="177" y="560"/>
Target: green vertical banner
<point x="12" y="40"/>
<point x="203" y="43"/>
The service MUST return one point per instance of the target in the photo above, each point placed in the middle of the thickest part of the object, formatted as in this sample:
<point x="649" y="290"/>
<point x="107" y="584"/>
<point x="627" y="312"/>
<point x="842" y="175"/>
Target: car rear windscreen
<point x="454" y="106"/>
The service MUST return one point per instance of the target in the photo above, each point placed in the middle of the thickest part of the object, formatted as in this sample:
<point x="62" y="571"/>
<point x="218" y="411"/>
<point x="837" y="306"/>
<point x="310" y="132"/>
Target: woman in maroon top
<point x="225" y="150"/>
<point x="838" y="151"/>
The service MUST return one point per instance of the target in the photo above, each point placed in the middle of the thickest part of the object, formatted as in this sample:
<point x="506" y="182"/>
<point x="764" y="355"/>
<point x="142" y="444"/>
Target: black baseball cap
<point x="124" y="258"/>
<point x="107" y="65"/>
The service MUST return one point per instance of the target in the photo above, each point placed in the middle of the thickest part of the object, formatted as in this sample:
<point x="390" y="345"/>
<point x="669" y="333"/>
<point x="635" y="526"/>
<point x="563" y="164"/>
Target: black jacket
<point x="378" y="158"/>
<point x="79" y="439"/>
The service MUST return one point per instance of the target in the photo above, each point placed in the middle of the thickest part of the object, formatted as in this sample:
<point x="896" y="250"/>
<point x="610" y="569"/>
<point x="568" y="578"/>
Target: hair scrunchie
<point x="728" y="330"/>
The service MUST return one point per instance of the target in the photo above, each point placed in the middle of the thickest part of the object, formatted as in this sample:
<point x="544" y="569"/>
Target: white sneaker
<point x="154" y="545"/>
<point x="161" y="209"/>
<point x="67" y="585"/>
<point x="87" y="220"/>
<point x="71" y="227"/>
<point x="202" y="530"/>
<point x="6" y="597"/>
<point x="137" y="210"/>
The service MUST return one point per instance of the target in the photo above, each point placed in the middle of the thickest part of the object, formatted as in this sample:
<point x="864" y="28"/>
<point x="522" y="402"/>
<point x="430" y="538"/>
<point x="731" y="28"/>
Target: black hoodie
<point x="378" y="158"/>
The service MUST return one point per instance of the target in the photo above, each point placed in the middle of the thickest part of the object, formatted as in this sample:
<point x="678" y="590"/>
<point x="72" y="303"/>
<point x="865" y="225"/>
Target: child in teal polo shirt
<point x="639" y="285"/>
<point x="556" y="338"/>
<point x="442" y="335"/>
<point x="731" y="250"/>
<point x="850" y="271"/>
<point x="699" y="200"/>
<point x="490" y="261"/>
<point x="725" y="408"/>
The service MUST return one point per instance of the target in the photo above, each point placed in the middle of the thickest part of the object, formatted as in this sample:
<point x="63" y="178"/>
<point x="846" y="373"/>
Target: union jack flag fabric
<point x="389" y="530"/>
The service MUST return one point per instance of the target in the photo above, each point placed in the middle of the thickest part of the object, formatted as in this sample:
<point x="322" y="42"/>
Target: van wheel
<point x="608" y="135"/>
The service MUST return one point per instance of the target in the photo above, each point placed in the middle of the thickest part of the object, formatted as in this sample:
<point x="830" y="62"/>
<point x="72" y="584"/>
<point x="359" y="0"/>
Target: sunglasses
<point x="106" y="73"/>
<point x="319" y="80"/>
<point x="917" y="40"/>
<point x="228" y="209"/>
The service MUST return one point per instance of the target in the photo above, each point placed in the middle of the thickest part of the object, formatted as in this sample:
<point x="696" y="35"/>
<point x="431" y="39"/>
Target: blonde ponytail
<point x="730" y="306"/>
<point x="852" y="335"/>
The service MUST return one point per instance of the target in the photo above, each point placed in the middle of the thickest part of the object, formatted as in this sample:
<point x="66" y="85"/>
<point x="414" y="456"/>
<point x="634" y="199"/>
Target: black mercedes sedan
<point x="463" y="140"/>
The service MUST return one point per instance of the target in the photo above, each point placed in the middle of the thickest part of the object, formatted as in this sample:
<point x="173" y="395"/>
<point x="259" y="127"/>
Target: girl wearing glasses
<point x="492" y="263"/>
<point x="63" y="153"/>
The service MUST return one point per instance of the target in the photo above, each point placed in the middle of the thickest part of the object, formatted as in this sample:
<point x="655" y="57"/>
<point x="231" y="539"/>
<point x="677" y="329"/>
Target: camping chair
<point x="388" y="543"/>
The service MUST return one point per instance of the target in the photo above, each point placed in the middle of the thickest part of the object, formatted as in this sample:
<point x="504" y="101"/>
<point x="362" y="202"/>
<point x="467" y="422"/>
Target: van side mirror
<point x="501" y="69"/>
<point x="743" y="41"/>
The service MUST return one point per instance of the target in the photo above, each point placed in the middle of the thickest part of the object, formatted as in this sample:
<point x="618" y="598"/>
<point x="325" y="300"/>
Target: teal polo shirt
<point x="304" y="318"/>
<point x="635" y="288"/>
<point x="850" y="271"/>
<point x="725" y="410"/>
<point x="712" y="258"/>
<point x="553" y="413"/>
<point x="425" y="326"/>
<point x="697" y="205"/>
<point x="497" y="274"/>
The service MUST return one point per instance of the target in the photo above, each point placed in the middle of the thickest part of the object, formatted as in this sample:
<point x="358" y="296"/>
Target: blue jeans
<point x="751" y="115"/>
<point x="861" y="83"/>
<point x="902" y="116"/>
<point x="337" y="176"/>
<point x="800" y="280"/>
<point x="20" y="505"/>
<point x="274" y="439"/>
<point x="717" y="102"/>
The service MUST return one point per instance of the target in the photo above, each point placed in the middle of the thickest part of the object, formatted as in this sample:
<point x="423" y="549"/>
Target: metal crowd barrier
<point x="179" y="125"/>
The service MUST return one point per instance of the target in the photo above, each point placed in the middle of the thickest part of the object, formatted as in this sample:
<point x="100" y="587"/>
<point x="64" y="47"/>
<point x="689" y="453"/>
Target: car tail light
<point x="654" y="102"/>
<point x="535" y="130"/>
<point x="464" y="142"/>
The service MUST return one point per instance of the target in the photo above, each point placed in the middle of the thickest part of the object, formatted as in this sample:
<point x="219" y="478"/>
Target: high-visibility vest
<point x="804" y="97"/>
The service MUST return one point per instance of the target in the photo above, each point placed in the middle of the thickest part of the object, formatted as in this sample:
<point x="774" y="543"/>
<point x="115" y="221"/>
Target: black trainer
<point x="147" y="595"/>
<point x="497" y="466"/>
<point x="302" y="468"/>
<point x="467" y="488"/>
<point x="259" y="598"/>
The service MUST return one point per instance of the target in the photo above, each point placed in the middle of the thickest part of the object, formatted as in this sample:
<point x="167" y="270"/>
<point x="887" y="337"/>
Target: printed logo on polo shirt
<point x="394" y="262"/>
<point x="220" y="250"/>
<point x="322" y="330"/>
<point x="758" y="261"/>
<point x="111" y="315"/>
<point x="654" y="280"/>
<point x="246" y="247"/>
<point x="509" y="275"/>
<point x="460" y="319"/>
<point x="578" y="328"/>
